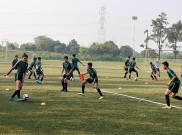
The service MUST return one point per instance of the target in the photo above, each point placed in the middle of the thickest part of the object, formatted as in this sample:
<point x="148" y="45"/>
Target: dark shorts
<point x="90" y="81"/>
<point x="157" y="69"/>
<point x="30" y="69"/>
<point x="174" y="87"/>
<point x="75" y="68"/>
<point x="39" y="72"/>
<point x="132" y="70"/>
<point x="18" y="77"/>
<point x="125" y="69"/>
<point x="67" y="77"/>
<point x="153" y="72"/>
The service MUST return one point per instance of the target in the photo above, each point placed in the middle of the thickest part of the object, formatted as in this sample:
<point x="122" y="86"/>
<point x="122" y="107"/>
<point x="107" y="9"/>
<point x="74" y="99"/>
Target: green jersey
<point x="75" y="62"/>
<point x="92" y="73"/>
<point x="21" y="67"/>
<point x="153" y="68"/>
<point x="171" y="74"/>
<point x="38" y="65"/>
<point x="14" y="62"/>
<point x="132" y="64"/>
<point x="67" y="67"/>
<point x="127" y="63"/>
<point x="32" y="64"/>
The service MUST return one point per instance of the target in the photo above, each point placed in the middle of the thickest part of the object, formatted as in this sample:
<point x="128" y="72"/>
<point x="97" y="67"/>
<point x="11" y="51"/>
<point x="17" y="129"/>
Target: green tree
<point x="159" y="31"/>
<point x="126" y="51"/>
<point x="74" y="50"/>
<point x="84" y="51"/>
<point x="11" y="45"/>
<point x="59" y="47"/>
<point x="28" y="47"/>
<point x="174" y="35"/>
<point x="73" y="43"/>
<point x="149" y="52"/>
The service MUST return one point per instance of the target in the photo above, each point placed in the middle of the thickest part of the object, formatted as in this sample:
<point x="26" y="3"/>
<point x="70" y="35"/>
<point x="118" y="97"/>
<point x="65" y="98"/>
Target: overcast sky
<point x="64" y="20"/>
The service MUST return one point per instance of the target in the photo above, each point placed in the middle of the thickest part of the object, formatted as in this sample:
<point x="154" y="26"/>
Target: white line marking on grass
<point x="141" y="99"/>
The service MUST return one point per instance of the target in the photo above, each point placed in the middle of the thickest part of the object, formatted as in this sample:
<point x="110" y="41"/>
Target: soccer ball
<point x="136" y="79"/>
<point x="25" y="96"/>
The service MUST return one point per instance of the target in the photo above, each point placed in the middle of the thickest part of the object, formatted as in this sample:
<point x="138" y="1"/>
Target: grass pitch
<point x="69" y="113"/>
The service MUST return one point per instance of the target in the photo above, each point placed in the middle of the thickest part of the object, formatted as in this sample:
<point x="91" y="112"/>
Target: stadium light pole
<point x="134" y="18"/>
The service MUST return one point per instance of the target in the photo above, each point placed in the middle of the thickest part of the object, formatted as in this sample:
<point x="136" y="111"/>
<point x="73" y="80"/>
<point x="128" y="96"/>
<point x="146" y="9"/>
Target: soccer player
<point x="153" y="73"/>
<point x="173" y="85"/>
<point x="14" y="61"/>
<point x="132" y="69"/>
<point x="157" y="64"/>
<point x="126" y="66"/>
<point x="93" y="79"/>
<point x="32" y="65"/>
<point x="75" y="63"/>
<point x="19" y="76"/>
<point x="67" y="67"/>
<point x="39" y="70"/>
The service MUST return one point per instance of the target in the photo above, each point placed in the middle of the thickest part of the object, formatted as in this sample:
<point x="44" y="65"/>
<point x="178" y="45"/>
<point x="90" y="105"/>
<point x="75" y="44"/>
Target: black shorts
<point x="132" y="70"/>
<point x="125" y="69"/>
<point x="75" y="68"/>
<point x="157" y="69"/>
<point x="39" y="72"/>
<point x="90" y="81"/>
<point x="30" y="69"/>
<point x="153" y="72"/>
<point x="18" y="77"/>
<point x="67" y="77"/>
<point x="174" y="87"/>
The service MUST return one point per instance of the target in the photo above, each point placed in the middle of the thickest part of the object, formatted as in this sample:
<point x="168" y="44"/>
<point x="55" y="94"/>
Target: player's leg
<point x="175" y="91"/>
<point x="65" y="84"/>
<point x="42" y="77"/>
<point x="95" y="85"/>
<point x="167" y="99"/>
<point x="151" y="75"/>
<point x="126" y="72"/>
<point x="154" y="74"/>
<point x="78" y="71"/>
<point x="33" y="72"/>
<point x="130" y="71"/>
<point x="30" y="74"/>
<point x="83" y="87"/>
<point x="62" y="82"/>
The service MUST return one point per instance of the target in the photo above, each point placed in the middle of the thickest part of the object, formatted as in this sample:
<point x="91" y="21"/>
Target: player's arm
<point x="70" y="72"/>
<point x="174" y="77"/>
<point x="62" y="72"/>
<point x="137" y="67"/>
<point x="10" y="71"/>
<point x="85" y="73"/>
<point x="82" y="63"/>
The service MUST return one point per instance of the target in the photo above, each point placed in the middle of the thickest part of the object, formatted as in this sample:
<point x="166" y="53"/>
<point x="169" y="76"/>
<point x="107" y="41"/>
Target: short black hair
<point x="74" y="55"/>
<point x="133" y="58"/>
<point x="24" y="55"/>
<point x="150" y="62"/>
<point x="65" y="57"/>
<point x="34" y="59"/>
<point x="16" y="55"/>
<point x="128" y="56"/>
<point x="39" y="58"/>
<point x="90" y="64"/>
<point x="165" y="63"/>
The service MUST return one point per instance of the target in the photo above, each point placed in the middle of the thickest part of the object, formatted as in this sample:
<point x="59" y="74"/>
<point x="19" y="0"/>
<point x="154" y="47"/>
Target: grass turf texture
<point x="69" y="113"/>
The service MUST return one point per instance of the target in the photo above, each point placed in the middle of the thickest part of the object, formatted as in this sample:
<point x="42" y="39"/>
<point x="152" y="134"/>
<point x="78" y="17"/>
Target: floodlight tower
<point x="102" y="23"/>
<point x="134" y="18"/>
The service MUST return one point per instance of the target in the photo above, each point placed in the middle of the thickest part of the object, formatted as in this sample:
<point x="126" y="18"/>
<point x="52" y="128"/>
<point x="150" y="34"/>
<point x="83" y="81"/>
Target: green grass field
<point x="69" y="113"/>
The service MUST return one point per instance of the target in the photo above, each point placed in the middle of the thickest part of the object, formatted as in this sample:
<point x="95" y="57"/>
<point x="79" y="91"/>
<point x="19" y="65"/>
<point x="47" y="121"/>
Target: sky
<point x="64" y="20"/>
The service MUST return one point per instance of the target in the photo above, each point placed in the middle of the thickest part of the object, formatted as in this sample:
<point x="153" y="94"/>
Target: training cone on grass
<point x="6" y="89"/>
<point x="43" y="103"/>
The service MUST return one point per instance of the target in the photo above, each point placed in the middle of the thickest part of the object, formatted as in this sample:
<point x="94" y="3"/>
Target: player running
<point x="75" y="64"/>
<point x="32" y="66"/>
<point x="157" y="64"/>
<point x="173" y="85"/>
<point x="93" y="79"/>
<point x="39" y="70"/>
<point x="67" y="67"/>
<point x="19" y="76"/>
<point x="126" y="66"/>
<point x="153" y="73"/>
<point x="14" y="61"/>
<point x="132" y="69"/>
